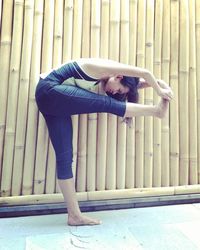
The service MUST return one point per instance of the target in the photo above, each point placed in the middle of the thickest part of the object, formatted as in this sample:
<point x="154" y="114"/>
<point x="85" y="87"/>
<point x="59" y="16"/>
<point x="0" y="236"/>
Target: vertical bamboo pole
<point x="130" y="131"/>
<point x="193" y="178"/>
<point x="112" y="119"/>
<point x="102" y="117"/>
<point x="68" y="30"/>
<point x="82" y="135"/>
<point x="57" y="58"/>
<point x="76" y="53"/>
<point x="174" y="109"/>
<point x="0" y="14"/>
<point x="5" y="49"/>
<point x="67" y="44"/>
<point x="121" y="128"/>
<point x="22" y="107"/>
<point x="148" y="121"/>
<point x="29" y="158"/>
<point x="77" y="27"/>
<point x="67" y="40"/>
<point x="197" y="24"/>
<point x="157" y="73"/>
<point x="58" y="33"/>
<point x="183" y="92"/>
<point x="92" y="118"/>
<point x="165" y="180"/>
<point x="139" y="126"/>
<point x="43" y="138"/>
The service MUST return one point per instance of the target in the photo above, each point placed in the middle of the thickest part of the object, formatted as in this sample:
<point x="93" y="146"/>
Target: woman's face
<point x="114" y="86"/>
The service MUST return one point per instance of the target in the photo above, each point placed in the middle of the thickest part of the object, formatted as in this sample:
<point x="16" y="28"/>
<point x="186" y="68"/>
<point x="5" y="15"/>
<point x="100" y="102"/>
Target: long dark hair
<point x="132" y="95"/>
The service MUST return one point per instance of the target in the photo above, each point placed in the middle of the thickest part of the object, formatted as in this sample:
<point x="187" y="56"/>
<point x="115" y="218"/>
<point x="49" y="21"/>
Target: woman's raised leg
<point x="69" y="100"/>
<point x="135" y="109"/>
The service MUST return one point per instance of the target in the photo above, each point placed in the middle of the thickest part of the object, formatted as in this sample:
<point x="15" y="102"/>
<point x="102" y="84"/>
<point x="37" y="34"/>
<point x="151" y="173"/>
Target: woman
<point x="70" y="89"/>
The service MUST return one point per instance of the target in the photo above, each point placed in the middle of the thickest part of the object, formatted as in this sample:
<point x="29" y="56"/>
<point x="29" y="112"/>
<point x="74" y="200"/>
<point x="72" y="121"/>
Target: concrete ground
<point x="175" y="227"/>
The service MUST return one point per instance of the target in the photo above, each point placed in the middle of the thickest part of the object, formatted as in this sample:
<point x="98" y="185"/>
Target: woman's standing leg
<point x="60" y="132"/>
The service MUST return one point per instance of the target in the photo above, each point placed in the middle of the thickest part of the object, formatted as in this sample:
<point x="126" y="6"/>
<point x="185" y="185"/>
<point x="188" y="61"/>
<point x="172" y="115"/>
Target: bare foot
<point x="162" y="108"/>
<point x="82" y="220"/>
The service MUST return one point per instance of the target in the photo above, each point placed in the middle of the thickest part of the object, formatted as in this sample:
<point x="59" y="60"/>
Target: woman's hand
<point x="163" y="84"/>
<point x="166" y="93"/>
<point x="165" y="90"/>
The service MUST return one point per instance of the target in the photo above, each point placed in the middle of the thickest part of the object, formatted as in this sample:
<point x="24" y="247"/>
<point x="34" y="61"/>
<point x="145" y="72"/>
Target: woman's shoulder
<point x="95" y="67"/>
<point x="94" y="61"/>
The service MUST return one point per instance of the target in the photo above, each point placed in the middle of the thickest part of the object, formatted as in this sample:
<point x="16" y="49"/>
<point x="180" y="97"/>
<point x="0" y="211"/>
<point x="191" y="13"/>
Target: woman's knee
<point x="63" y="175"/>
<point x="64" y="165"/>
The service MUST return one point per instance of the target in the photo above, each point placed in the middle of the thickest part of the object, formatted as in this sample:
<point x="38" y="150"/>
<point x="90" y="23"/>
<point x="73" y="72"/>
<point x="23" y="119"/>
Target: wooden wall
<point x="109" y="157"/>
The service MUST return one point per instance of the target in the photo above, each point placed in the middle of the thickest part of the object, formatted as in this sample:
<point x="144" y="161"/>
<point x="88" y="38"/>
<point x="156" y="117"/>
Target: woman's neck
<point x="102" y="84"/>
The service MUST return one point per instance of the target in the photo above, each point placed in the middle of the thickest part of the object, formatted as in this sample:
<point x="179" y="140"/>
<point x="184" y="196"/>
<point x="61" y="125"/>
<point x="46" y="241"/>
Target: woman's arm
<point x="167" y="92"/>
<point x="107" y="68"/>
<point x="101" y="68"/>
<point x="143" y="84"/>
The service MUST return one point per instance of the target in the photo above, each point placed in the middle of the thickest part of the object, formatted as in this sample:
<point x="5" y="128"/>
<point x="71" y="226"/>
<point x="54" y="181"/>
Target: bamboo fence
<point x="23" y="96"/>
<point x="41" y="159"/>
<point x="148" y="98"/>
<point x="112" y="119"/>
<point x="32" y="126"/>
<point x="197" y="26"/>
<point x="193" y="164"/>
<point x="7" y="133"/>
<point x="121" y="127"/>
<point x="0" y="11"/>
<point x="67" y="42"/>
<point x="102" y="117"/>
<point x="156" y="178"/>
<point x="82" y="133"/>
<point x="183" y="92"/>
<point x="92" y="118"/>
<point x="57" y="60"/>
<point x="130" y="131"/>
<point x="76" y="53"/>
<point x="139" y="126"/>
<point x="174" y="81"/>
<point x="165" y="75"/>
<point x="110" y="160"/>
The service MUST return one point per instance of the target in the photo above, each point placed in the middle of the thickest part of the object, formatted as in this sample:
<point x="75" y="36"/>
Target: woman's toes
<point x="82" y="220"/>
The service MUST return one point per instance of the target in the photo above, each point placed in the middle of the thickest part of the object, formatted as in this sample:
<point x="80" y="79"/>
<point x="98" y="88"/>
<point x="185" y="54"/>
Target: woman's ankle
<point x="74" y="214"/>
<point x="161" y="108"/>
<point x="141" y="110"/>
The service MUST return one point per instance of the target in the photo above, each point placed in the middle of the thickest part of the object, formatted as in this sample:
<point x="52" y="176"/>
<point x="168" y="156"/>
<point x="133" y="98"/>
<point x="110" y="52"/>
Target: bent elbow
<point x="146" y="74"/>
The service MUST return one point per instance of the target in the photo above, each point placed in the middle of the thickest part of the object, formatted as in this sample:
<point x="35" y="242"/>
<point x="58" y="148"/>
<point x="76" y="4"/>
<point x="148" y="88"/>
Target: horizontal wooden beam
<point x="102" y="195"/>
<point x="98" y="205"/>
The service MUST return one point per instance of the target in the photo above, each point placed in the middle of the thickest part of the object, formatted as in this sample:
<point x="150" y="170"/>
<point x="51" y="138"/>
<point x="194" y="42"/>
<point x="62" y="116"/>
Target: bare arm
<point x="99" y="68"/>
<point x="106" y="68"/>
<point x="166" y="92"/>
<point x="144" y="84"/>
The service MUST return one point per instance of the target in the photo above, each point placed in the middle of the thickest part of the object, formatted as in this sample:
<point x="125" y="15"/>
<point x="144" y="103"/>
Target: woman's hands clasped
<point x="165" y="91"/>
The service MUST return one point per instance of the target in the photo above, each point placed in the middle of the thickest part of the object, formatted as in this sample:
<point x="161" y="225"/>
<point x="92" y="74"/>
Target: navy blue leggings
<point x="57" y="103"/>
